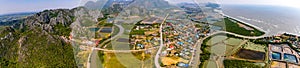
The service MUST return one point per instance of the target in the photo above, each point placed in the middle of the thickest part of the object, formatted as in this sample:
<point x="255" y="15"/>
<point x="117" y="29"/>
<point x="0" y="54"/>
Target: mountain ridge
<point x="38" y="41"/>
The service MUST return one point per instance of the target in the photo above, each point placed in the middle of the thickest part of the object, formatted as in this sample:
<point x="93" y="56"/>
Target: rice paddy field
<point x="221" y="45"/>
<point x="218" y="49"/>
<point x="235" y="49"/>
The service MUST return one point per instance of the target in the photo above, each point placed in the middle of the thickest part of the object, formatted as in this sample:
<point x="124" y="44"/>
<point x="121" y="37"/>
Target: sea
<point x="272" y="19"/>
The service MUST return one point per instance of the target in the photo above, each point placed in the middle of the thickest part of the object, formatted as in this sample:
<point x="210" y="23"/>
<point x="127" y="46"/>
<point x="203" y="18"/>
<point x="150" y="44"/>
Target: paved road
<point x="195" y="61"/>
<point x="249" y="37"/>
<point x="90" y="59"/>
<point x="121" y="31"/>
<point x="156" y="59"/>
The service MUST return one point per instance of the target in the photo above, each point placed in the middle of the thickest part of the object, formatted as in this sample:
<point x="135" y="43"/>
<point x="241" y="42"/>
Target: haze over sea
<point x="273" y="19"/>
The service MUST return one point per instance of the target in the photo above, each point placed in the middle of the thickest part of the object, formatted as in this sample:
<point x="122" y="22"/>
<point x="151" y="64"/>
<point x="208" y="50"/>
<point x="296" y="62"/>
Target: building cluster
<point x="145" y="34"/>
<point x="179" y="40"/>
<point x="288" y="38"/>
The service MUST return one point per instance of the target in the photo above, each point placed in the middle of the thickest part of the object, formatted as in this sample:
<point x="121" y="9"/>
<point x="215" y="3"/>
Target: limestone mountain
<point x="39" y="41"/>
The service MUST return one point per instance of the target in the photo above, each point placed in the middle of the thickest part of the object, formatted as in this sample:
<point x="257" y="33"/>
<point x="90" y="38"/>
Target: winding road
<point x="156" y="59"/>
<point x="91" y="57"/>
<point x="121" y="31"/>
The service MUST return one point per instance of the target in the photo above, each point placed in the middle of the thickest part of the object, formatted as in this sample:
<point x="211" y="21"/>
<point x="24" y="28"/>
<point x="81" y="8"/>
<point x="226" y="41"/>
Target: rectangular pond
<point x="106" y="30"/>
<point x="276" y="56"/>
<point x="290" y="58"/>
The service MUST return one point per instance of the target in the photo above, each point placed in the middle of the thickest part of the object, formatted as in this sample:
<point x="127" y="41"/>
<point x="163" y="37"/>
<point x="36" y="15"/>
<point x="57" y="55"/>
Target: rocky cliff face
<point x="37" y="41"/>
<point x="46" y="20"/>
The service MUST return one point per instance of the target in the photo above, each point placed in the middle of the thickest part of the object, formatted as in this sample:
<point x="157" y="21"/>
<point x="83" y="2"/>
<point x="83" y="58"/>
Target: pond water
<point x="94" y="29"/>
<point x="106" y="30"/>
<point x="276" y="56"/>
<point x="290" y="58"/>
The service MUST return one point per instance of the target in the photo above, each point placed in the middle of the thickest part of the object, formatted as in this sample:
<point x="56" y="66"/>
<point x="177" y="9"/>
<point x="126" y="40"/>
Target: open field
<point x="120" y="46"/>
<point x="255" y="47"/>
<point x="218" y="49"/>
<point x="222" y="45"/>
<point x="210" y="64"/>
<point x="233" y="41"/>
<point x="111" y="61"/>
<point x="218" y="46"/>
<point x="125" y="60"/>
<point x="216" y="39"/>
<point x="127" y="27"/>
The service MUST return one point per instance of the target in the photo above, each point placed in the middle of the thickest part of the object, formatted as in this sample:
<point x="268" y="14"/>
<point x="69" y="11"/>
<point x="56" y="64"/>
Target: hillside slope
<point x="38" y="41"/>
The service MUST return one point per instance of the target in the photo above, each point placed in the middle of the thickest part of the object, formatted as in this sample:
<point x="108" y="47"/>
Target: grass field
<point x="233" y="41"/>
<point x="124" y="60"/>
<point x="222" y="45"/>
<point x="111" y="61"/>
<point x="129" y="60"/>
<point x="216" y="39"/>
<point x="218" y="49"/>
<point x="210" y="64"/>
<point x="219" y="46"/>
<point x="120" y="45"/>
<point x="255" y="47"/>
<point x="127" y="28"/>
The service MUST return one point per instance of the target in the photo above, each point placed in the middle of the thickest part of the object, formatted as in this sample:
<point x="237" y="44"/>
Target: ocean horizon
<point x="272" y="19"/>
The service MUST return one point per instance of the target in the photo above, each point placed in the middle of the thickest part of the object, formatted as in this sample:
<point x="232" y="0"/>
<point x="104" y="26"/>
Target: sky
<point x="15" y="6"/>
<point x="287" y="3"/>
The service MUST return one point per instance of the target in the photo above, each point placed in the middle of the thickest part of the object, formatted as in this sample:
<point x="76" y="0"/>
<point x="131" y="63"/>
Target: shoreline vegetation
<point x="234" y="25"/>
<point x="243" y="22"/>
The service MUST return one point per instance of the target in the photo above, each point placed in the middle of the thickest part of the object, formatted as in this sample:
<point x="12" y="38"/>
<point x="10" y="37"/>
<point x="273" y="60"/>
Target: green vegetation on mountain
<point x="62" y="30"/>
<point x="43" y="50"/>
<point x="39" y="41"/>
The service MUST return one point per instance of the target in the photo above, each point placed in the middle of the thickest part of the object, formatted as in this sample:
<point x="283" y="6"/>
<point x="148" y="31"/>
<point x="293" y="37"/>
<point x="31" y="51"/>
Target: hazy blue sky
<point x="289" y="3"/>
<point x="13" y="6"/>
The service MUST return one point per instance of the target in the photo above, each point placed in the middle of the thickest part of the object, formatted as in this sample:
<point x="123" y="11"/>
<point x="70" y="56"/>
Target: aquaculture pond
<point x="250" y="54"/>
<point x="94" y="29"/>
<point x="276" y="56"/>
<point x="290" y="58"/>
<point x="106" y="30"/>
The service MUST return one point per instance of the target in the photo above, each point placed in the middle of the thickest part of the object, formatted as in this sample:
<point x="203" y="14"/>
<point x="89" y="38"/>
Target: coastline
<point x="241" y="21"/>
